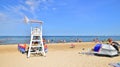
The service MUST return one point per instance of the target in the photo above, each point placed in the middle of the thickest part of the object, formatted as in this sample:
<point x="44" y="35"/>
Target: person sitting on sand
<point x="114" y="44"/>
<point x="72" y="46"/>
<point x="96" y="40"/>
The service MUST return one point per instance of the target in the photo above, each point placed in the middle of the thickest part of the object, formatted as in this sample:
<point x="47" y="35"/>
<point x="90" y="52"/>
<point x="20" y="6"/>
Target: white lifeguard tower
<point x="36" y="43"/>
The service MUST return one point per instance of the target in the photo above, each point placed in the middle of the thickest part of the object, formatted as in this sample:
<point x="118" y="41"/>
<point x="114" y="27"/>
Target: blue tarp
<point x="97" y="47"/>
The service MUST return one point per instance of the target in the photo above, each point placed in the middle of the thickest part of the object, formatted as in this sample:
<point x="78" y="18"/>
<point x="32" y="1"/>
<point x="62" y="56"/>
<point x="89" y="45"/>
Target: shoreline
<point x="55" y="39"/>
<point x="59" y="43"/>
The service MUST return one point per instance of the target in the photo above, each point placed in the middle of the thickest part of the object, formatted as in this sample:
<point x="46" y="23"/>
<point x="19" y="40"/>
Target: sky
<point x="61" y="17"/>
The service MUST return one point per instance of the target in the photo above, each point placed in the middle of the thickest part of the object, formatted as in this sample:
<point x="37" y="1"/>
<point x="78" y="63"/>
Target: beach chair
<point x="22" y="48"/>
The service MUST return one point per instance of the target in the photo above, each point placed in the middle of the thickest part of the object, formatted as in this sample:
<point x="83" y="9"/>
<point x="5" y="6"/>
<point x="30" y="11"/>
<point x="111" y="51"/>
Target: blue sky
<point x="61" y="17"/>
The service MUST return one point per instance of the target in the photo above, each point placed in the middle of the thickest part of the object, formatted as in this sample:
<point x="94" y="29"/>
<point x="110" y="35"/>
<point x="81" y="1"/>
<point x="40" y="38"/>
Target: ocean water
<point x="53" y="39"/>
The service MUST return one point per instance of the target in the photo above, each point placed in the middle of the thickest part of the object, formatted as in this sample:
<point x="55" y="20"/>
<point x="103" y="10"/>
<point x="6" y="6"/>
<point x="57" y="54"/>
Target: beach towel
<point x="115" y="64"/>
<point x="86" y="53"/>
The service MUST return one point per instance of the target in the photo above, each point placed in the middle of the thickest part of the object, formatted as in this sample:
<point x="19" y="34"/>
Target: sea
<point x="4" y="40"/>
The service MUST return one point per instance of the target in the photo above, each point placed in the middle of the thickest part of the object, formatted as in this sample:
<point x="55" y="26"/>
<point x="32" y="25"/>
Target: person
<point x="45" y="48"/>
<point x="72" y="46"/>
<point x="96" y="40"/>
<point x="114" y="44"/>
<point x="110" y="41"/>
<point x="48" y="41"/>
<point x="44" y="41"/>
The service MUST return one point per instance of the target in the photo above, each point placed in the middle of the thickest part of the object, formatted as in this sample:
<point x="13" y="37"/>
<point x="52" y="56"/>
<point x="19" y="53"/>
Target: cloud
<point x="2" y="17"/>
<point x="7" y="18"/>
<point x="54" y="9"/>
<point x="36" y="5"/>
<point x="28" y="7"/>
<point x="31" y="4"/>
<point x="16" y="10"/>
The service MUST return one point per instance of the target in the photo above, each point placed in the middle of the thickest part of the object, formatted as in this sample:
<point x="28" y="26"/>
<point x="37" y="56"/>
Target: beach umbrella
<point x="26" y="20"/>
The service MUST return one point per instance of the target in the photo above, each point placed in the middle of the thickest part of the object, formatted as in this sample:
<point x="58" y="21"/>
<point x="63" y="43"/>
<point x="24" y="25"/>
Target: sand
<point x="59" y="55"/>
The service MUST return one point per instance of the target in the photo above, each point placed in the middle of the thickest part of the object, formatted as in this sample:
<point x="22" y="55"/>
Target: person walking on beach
<point x="44" y="41"/>
<point x="45" y="46"/>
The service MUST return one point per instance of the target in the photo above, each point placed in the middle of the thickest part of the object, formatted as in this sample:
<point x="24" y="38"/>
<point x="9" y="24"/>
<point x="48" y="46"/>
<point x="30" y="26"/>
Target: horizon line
<point x="62" y="35"/>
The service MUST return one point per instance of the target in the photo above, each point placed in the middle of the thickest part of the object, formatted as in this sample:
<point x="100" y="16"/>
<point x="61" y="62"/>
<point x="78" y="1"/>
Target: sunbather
<point x="114" y="44"/>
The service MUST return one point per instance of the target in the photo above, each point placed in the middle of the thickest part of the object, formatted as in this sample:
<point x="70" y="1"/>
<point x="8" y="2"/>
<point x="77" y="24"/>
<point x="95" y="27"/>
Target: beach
<point x="59" y="33"/>
<point x="58" y="55"/>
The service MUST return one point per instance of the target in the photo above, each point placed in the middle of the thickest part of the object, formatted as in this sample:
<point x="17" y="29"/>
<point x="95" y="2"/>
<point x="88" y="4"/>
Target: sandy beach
<point x="59" y="55"/>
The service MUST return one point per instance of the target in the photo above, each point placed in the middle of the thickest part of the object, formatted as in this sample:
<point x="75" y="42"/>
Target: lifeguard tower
<point x="36" y="43"/>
